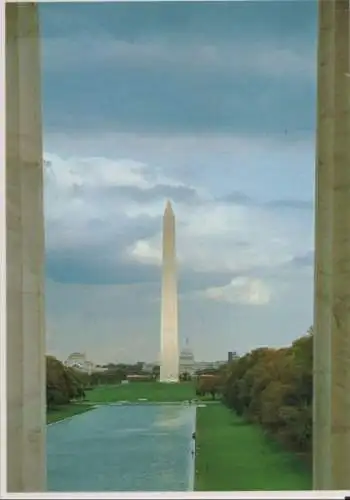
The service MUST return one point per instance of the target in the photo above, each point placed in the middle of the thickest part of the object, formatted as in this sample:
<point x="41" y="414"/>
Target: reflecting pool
<point x="123" y="448"/>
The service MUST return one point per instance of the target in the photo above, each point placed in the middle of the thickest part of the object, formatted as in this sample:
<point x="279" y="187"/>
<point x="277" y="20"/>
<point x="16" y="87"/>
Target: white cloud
<point x="211" y="236"/>
<point x="144" y="252"/>
<point x="242" y="290"/>
<point x="75" y="195"/>
<point x="228" y="237"/>
<point x="95" y="172"/>
<point x="260" y="165"/>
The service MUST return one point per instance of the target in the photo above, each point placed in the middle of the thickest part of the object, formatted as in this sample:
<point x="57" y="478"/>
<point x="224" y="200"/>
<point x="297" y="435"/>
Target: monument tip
<point x="168" y="208"/>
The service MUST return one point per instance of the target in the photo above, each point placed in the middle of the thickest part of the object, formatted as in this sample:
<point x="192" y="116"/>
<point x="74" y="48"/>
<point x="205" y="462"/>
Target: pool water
<point x="123" y="448"/>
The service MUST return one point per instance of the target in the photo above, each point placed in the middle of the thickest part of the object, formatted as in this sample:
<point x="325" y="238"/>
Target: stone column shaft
<point x="340" y="331"/>
<point x="323" y="231"/>
<point x="26" y="394"/>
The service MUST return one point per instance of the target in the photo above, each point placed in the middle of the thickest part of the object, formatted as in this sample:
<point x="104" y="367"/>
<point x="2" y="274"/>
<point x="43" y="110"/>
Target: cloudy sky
<point x="211" y="105"/>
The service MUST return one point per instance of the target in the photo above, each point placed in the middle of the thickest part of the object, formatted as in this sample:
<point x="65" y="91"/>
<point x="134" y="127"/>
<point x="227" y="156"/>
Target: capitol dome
<point x="76" y="355"/>
<point x="186" y="353"/>
<point x="186" y="360"/>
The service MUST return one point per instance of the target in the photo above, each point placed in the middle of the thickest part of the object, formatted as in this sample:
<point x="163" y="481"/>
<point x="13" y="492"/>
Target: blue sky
<point x="211" y="105"/>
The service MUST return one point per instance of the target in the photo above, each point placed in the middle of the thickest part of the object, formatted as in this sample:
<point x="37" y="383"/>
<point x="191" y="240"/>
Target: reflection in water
<point x="125" y="448"/>
<point x="173" y="417"/>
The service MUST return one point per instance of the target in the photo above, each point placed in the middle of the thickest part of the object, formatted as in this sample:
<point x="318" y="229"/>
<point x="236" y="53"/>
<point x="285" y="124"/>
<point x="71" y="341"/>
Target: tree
<point x="208" y="384"/>
<point x="156" y="372"/>
<point x="273" y="387"/>
<point x="62" y="383"/>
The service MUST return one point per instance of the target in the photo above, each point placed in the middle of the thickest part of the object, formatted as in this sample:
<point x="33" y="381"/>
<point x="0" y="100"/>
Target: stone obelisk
<point x="169" y="349"/>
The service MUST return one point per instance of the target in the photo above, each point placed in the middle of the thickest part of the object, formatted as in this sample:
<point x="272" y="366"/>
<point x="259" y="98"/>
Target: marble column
<point x="323" y="228"/>
<point x="26" y="394"/>
<point x="340" y="188"/>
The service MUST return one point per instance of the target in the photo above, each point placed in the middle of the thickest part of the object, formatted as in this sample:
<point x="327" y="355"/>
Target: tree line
<point x="273" y="388"/>
<point x="63" y="383"/>
<point x="269" y="387"/>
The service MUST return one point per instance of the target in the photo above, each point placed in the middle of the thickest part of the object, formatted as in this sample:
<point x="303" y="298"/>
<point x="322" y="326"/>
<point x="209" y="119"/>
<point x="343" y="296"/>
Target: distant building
<point x="99" y="368"/>
<point x="78" y="361"/>
<point x="148" y="367"/>
<point x="76" y="358"/>
<point x="208" y="365"/>
<point x="186" y="361"/>
<point x="231" y="356"/>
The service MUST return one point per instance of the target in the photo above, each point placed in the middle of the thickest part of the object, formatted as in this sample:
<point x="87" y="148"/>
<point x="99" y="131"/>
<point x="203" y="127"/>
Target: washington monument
<point x="169" y="348"/>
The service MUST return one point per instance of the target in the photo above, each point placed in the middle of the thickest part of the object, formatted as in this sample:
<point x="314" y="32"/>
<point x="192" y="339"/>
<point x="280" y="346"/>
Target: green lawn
<point x="233" y="455"/>
<point x="152" y="391"/>
<point x="65" y="411"/>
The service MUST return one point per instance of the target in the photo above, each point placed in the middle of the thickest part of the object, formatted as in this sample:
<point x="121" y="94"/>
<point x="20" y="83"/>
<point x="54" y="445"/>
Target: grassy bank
<point x="65" y="411"/>
<point x="233" y="455"/>
<point x="152" y="391"/>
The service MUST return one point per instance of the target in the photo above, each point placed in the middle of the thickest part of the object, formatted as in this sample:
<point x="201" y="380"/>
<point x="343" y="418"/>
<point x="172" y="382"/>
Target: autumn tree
<point x="273" y="387"/>
<point x="208" y="384"/>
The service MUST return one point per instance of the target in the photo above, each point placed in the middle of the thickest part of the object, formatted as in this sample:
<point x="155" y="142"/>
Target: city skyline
<point x="226" y="131"/>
